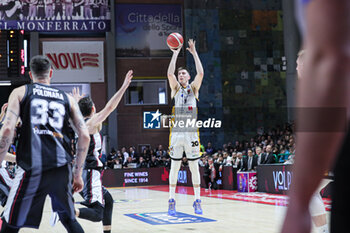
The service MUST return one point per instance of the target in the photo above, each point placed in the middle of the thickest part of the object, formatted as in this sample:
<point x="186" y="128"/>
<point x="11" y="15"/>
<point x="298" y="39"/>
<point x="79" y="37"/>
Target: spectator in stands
<point x="228" y="160"/>
<point x="165" y="162"/>
<point x="153" y="162"/>
<point x="229" y="147"/>
<point x="236" y="146"/>
<point x="225" y="154"/>
<point x="120" y="158"/>
<point x="251" y="161"/>
<point x="269" y="156"/>
<point x="219" y="151"/>
<point x="239" y="161"/>
<point x="215" y="156"/>
<point x="251" y="144"/>
<point x="133" y="154"/>
<point x="111" y="158"/>
<point x="218" y="167"/>
<point x="201" y="161"/>
<point x="246" y="145"/>
<point x="210" y="149"/>
<point x="220" y="160"/>
<point x="141" y="163"/>
<point x="125" y="154"/>
<point x="160" y="152"/>
<point x="265" y="142"/>
<point x="153" y="152"/>
<point x="260" y="155"/>
<point x="283" y="156"/>
<point x="234" y="158"/>
<point x="128" y="161"/>
<point x="269" y="139"/>
<point x="210" y="174"/>
<point x="224" y="147"/>
<point x="146" y="155"/>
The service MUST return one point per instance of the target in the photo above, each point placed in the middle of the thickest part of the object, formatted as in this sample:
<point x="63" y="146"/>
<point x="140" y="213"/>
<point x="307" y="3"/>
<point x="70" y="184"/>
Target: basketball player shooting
<point x="184" y="140"/>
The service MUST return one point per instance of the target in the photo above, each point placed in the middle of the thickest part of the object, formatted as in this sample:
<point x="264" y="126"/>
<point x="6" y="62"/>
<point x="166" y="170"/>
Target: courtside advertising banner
<point x="274" y="178"/>
<point x="135" y="177"/>
<point x="75" y="62"/>
<point x="56" y="15"/>
<point x="160" y="176"/>
<point x="142" y="29"/>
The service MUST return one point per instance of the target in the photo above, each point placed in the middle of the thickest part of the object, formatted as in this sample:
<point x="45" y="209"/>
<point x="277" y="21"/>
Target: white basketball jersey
<point x="184" y="134"/>
<point x="185" y="107"/>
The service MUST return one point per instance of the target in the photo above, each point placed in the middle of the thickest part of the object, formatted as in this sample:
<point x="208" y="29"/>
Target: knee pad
<point x="194" y="167"/>
<point x="316" y="206"/>
<point x="174" y="171"/>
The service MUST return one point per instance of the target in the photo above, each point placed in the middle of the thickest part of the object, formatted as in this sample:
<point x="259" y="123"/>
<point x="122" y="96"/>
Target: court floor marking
<point x="254" y="197"/>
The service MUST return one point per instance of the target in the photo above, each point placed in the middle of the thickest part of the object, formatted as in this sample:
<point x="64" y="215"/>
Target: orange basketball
<point x="174" y="40"/>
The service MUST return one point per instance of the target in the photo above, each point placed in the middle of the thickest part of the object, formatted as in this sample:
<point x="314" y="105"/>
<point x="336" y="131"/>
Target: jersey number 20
<point x="40" y="115"/>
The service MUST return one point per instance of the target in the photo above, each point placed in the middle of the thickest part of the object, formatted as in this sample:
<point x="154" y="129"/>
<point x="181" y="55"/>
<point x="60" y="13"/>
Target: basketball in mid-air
<point x="174" y="40"/>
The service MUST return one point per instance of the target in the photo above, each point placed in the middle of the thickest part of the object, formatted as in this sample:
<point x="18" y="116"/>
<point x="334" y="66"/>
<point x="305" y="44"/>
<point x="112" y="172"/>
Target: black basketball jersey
<point x="93" y="156"/>
<point x="44" y="137"/>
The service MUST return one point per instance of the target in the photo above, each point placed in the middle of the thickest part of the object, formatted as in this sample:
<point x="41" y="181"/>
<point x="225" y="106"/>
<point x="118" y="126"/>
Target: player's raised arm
<point x="197" y="82"/>
<point x="111" y="105"/>
<point x="9" y="123"/>
<point x="83" y="143"/>
<point x="171" y="69"/>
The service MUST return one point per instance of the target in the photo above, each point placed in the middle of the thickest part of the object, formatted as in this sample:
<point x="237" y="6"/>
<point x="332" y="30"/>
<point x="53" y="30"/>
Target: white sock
<point x="323" y="229"/>
<point x="197" y="193"/>
<point x="172" y="192"/>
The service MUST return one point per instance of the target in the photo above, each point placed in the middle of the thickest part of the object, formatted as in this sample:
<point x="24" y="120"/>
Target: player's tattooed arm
<point x="11" y="116"/>
<point x="83" y="136"/>
<point x="79" y="165"/>
<point x="9" y="124"/>
<point x="14" y="113"/>
<point x="4" y="143"/>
